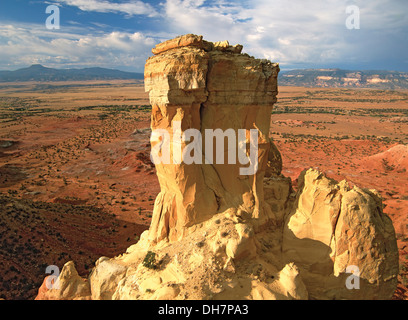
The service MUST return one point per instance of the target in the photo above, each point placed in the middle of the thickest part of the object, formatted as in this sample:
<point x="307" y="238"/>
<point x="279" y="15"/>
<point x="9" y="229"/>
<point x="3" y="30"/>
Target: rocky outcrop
<point x="332" y="229"/>
<point x="237" y="230"/>
<point x="67" y="286"/>
<point x="195" y="84"/>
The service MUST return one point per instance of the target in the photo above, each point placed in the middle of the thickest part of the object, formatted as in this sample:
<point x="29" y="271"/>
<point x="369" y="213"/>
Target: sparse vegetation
<point x="73" y="172"/>
<point x="150" y="260"/>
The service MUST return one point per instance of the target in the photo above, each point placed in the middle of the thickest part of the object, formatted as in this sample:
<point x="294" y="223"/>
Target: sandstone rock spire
<point x="206" y="85"/>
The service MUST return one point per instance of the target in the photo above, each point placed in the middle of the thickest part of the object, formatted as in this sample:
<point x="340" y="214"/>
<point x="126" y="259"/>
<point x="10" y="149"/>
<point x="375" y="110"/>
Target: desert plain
<point x="77" y="183"/>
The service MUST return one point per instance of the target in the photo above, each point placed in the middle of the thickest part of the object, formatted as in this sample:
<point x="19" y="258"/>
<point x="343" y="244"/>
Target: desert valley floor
<point x="76" y="181"/>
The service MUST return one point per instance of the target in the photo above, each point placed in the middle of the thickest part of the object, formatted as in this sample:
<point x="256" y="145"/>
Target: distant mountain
<point x="331" y="78"/>
<point x="338" y="78"/>
<point x="38" y="72"/>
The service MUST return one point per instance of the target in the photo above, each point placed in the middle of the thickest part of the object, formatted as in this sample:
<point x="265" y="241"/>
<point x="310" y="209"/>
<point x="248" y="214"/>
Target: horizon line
<point x="282" y="69"/>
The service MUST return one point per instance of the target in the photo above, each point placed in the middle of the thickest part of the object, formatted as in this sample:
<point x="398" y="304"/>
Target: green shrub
<point x="150" y="260"/>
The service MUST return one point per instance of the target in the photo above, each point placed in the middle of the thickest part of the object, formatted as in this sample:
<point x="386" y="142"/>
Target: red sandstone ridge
<point x="219" y="234"/>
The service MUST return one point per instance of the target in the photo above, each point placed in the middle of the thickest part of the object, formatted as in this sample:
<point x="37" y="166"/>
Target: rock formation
<point x="220" y="231"/>
<point x="201" y="85"/>
<point x="331" y="228"/>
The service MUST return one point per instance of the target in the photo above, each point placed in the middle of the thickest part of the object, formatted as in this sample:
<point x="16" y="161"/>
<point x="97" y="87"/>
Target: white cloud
<point x="131" y="8"/>
<point x="30" y="44"/>
<point x="295" y="32"/>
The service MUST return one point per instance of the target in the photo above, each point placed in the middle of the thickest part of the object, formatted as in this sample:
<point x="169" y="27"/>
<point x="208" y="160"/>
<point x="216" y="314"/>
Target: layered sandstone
<point x="217" y="233"/>
<point x="208" y="86"/>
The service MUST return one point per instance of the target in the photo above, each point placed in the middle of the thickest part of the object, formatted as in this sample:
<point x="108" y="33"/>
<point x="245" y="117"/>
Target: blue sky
<point x="120" y="34"/>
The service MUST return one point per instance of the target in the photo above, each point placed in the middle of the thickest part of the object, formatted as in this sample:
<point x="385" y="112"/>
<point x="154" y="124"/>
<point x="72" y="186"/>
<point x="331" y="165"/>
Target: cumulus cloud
<point x="297" y="33"/>
<point x="214" y="20"/>
<point x="299" y="30"/>
<point x="30" y="44"/>
<point x="130" y="8"/>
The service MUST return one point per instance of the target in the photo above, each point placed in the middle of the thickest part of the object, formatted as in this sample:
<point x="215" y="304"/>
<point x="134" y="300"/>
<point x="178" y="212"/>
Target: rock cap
<point x="192" y="40"/>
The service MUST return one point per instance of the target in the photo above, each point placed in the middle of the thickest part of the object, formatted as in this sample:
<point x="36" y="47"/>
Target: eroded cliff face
<point x="201" y="85"/>
<point x="220" y="231"/>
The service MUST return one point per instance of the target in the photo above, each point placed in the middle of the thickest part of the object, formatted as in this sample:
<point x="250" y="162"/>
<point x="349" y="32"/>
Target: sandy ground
<point x="76" y="181"/>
